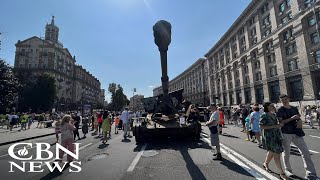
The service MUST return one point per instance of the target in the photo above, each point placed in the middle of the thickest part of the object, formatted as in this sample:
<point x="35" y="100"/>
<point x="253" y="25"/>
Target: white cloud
<point x="151" y="86"/>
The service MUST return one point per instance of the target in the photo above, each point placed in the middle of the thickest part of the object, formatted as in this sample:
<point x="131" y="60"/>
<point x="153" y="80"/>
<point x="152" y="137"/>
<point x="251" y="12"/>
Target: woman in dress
<point x="106" y="126"/>
<point x="272" y="139"/>
<point x="67" y="127"/>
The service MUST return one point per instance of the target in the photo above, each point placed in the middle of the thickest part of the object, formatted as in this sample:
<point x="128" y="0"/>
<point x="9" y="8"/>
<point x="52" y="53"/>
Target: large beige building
<point x="272" y="48"/>
<point x="194" y="82"/>
<point x="135" y="103"/>
<point x="75" y="85"/>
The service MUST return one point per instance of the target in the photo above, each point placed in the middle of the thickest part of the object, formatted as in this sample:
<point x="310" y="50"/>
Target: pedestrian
<point x="41" y="118"/>
<point x="99" y="119"/>
<point x="24" y="120"/>
<point x="243" y="114"/>
<point x="57" y="128"/>
<point x="67" y="128"/>
<point x="85" y="126"/>
<point x="11" y="120"/>
<point x="235" y="116"/>
<point x="221" y="121"/>
<point x="30" y="121"/>
<point x="192" y="114"/>
<point x="248" y="119"/>
<point x="255" y="119"/>
<point x="213" y="126"/>
<point x="116" y="124"/>
<point x="125" y="122"/>
<point x="272" y="138"/>
<point x="106" y="126"/>
<point x="318" y="116"/>
<point x="228" y="115"/>
<point x="77" y="124"/>
<point x="292" y="132"/>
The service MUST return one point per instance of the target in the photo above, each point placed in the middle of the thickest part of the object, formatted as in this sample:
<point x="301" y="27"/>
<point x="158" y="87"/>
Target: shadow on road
<point x="229" y="135"/>
<point x="234" y="167"/>
<point x="126" y="140"/>
<point x="102" y="146"/>
<point x="55" y="173"/>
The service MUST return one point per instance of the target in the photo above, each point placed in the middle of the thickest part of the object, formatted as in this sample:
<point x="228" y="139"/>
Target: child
<point x="30" y="121"/>
<point x="117" y="120"/>
<point x="247" y="124"/>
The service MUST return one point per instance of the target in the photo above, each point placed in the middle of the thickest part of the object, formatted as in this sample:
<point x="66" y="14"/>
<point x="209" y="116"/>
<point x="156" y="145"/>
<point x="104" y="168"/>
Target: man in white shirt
<point x="213" y="125"/>
<point x="125" y="120"/>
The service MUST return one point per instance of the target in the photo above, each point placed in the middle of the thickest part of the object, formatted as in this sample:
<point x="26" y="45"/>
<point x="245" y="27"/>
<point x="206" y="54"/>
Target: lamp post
<point x="133" y="91"/>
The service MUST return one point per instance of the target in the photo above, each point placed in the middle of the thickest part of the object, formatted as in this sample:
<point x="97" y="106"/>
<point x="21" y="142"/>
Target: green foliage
<point x="38" y="95"/>
<point x="99" y="105"/>
<point x="118" y="98"/>
<point x="9" y="86"/>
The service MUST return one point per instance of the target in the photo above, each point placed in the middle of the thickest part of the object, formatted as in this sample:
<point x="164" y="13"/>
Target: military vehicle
<point x="164" y="112"/>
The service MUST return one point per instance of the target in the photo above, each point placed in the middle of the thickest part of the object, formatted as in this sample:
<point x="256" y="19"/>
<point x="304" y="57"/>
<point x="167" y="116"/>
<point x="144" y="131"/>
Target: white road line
<point x="316" y="152"/>
<point x="245" y="160"/>
<point x="315" y="136"/>
<point x="136" y="159"/>
<point x="240" y="163"/>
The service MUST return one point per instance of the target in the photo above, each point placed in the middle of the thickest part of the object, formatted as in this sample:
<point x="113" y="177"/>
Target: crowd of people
<point x="274" y="129"/>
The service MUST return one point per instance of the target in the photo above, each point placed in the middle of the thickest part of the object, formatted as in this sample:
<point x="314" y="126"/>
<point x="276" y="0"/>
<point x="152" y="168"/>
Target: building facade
<point x="135" y="103"/>
<point x="194" y="81"/>
<point x="75" y="85"/>
<point x="272" y="48"/>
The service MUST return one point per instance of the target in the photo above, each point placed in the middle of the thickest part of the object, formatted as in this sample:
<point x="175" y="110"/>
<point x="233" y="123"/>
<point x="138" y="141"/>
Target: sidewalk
<point x="8" y="137"/>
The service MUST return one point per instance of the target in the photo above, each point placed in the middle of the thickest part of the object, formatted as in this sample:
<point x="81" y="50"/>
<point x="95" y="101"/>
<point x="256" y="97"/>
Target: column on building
<point x="303" y="64"/>
<point x="264" y="77"/>
<point x="280" y="65"/>
<point x="251" y="74"/>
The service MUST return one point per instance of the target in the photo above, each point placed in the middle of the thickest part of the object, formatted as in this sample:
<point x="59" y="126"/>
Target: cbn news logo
<point x="38" y="162"/>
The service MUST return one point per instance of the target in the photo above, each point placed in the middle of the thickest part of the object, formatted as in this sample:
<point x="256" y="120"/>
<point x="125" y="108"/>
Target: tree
<point x="39" y="95"/>
<point x="8" y="86"/>
<point x="118" y="99"/>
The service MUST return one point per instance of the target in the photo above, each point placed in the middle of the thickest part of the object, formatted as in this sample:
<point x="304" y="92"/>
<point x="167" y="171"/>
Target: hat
<point x="283" y="96"/>
<point x="213" y="105"/>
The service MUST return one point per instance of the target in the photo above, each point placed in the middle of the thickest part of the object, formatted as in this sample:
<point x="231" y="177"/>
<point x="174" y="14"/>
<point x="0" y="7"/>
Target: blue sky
<point x="113" y="39"/>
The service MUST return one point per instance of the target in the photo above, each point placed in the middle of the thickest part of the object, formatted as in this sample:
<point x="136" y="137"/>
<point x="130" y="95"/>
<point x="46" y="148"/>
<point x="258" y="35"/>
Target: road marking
<point x="316" y="152"/>
<point x="246" y="161"/>
<point x="136" y="159"/>
<point x="240" y="163"/>
<point x="315" y="136"/>
<point x="65" y="154"/>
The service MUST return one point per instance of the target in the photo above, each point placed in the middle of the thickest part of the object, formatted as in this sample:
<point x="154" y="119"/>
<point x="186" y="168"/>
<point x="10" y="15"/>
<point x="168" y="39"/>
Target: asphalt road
<point x="167" y="158"/>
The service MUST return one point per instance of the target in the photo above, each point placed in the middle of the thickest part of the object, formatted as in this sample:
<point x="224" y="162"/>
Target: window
<point x="314" y="38"/>
<point x="257" y="64"/>
<point x="317" y="56"/>
<point x="311" y="21"/>
<point x="251" y="21"/>
<point x="253" y="32"/>
<point x="287" y="34"/>
<point x="266" y="21"/>
<point x="264" y="8"/>
<point x="292" y="65"/>
<point x="247" y="94"/>
<point x="296" y="88"/>
<point x="273" y="71"/>
<point x="282" y="7"/>
<point x="246" y="69"/>
<point x="258" y="76"/>
<point x="291" y="49"/>
<point x="259" y="94"/>
<point x="275" y="92"/>
<point x="246" y="80"/>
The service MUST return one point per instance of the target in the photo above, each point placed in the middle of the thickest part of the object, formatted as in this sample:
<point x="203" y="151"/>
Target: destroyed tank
<point x="164" y="112"/>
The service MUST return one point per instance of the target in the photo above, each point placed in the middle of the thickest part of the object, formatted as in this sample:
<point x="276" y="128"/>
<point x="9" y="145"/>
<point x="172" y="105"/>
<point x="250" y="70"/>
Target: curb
<point x="19" y="140"/>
